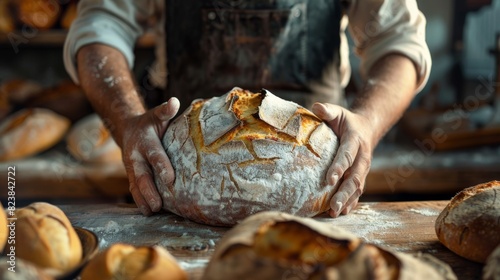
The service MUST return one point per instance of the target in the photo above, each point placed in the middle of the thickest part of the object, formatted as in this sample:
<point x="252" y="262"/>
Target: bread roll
<point x="274" y="245"/>
<point x="90" y="141"/>
<point x="46" y="238"/>
<point x="124" y="262"/>
<point x="40" y="14"/>
<point x="4" y="231"/>
<point x="469" y="225"/>
<point x="491" y="270"/>
<point x="30" y="131"/>
<point x="243" y="153"/>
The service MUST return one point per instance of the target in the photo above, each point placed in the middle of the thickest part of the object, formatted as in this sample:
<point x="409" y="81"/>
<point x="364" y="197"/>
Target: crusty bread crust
<point x="470" y="224"/>
<point x="126" y="262"/>
<point x="30" y="131"/>
<point x="48" y="239"/>
<point x="244" y="153"/>
<point x="4" y="231"/>
<point x="274" y="245"/>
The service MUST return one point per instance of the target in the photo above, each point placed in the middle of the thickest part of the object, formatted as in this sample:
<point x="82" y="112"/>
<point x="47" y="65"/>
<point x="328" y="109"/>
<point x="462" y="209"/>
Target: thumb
<point x="327" y="112"/>
<point x="166" y="111"/>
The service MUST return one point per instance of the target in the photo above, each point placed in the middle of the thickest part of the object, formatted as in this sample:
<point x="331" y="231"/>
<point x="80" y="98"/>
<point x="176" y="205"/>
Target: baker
<point x="295" y="48"/>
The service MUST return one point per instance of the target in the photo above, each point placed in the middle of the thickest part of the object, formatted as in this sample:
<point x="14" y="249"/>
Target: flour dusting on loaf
<point x="243" y="153"/>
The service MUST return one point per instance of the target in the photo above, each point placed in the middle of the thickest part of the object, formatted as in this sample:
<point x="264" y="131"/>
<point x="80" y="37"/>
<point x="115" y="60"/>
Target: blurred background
<point x="447" y="140"/>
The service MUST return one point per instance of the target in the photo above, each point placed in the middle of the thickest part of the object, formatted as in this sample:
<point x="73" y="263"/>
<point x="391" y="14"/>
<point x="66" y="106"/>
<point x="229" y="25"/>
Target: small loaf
<point x="491" y="270"/>
<point x="469" y="224"/>
<point x="47" y="238"/>
<point x="243" y="153"/>
<point x="274" y="245"/>
<point x="90" y="141"/>
<point x="29" y="132"/>
<point x="126" y="262"/>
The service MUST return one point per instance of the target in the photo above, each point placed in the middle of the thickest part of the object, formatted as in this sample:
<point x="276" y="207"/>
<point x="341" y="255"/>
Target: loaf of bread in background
<point x="491" y="270"/>
<point x="18" y="91"/>
<point x="469" y="224"/>
<point x="65" y="98"/>
<point x="46" y="238"/>
<point x="274" y="245"/>
<point x="30" y="131"/>
<point x="126" y="262"/>
<point x="90" y="141"/>
<point x="40" y="14"/>
<point x="243" y="153"/>
<point x="69" y="14"/>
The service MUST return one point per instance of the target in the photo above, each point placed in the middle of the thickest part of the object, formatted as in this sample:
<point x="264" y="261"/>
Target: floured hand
<point x="349" y="169"/>
<point x="144" y="157"/>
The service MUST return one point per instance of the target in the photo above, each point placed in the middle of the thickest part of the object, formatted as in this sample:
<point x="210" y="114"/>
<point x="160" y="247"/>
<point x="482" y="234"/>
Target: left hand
<point x="351" y="164"/>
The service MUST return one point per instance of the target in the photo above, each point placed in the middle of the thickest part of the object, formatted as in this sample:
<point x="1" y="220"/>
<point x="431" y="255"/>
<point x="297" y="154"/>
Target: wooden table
<point x="401" y="226"/>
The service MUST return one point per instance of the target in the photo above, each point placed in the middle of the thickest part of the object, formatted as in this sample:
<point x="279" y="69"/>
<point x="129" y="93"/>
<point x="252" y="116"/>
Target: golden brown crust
<point x="48" y="238"/>
<point x="469" y="224"/>
<point x="123" y="261"/>
<point x="29" y="132"/>
<point x="274" y="245"/>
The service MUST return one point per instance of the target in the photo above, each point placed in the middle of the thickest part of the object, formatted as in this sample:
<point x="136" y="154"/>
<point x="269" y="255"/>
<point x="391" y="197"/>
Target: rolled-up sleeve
<point x="115" y="23"/>
<point x="381" y="27"/>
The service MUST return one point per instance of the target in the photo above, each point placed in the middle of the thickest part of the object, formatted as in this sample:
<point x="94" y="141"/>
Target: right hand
<point x="144" y="157"/>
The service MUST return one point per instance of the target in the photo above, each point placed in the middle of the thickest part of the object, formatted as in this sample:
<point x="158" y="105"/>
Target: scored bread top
<point x="242" y="153"/>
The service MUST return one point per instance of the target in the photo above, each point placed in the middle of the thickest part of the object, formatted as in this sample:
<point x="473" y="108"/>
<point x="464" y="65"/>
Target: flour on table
<point x="425" y="212"/>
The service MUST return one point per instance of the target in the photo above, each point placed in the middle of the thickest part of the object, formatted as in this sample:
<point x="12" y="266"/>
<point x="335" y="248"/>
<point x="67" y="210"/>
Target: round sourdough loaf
<point x="90" y="141"/>
<point x="46" y="238"/>
<point x="126" y="262"/>
<point x="242" y="153"/>
<point x="469" y="224"/>
<point x="273" y="245"/>
<point x="30" y="131"/>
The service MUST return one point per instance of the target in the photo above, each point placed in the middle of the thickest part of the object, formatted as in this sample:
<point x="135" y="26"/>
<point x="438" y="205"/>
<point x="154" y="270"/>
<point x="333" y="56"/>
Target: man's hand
<point x="144" y="157"/>
<point x="350" y="167"/>
<point x="390" y="83"/>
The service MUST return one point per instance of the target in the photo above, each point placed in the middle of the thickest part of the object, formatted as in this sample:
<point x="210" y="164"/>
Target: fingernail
<point x="335" y="178"/>
<point x="338" y="207"/>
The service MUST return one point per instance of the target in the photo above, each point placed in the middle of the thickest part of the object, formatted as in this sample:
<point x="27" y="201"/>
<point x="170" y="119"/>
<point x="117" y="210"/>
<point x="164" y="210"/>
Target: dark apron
<point x="280" y="45"/>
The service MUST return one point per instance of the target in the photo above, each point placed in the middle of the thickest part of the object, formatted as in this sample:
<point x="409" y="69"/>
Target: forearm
<point x="109" y="85"/>
<point x="387" y="93"/>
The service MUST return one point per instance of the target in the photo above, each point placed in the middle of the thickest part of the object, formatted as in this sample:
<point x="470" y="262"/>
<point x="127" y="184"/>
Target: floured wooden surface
<point x="401" y="226"/>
